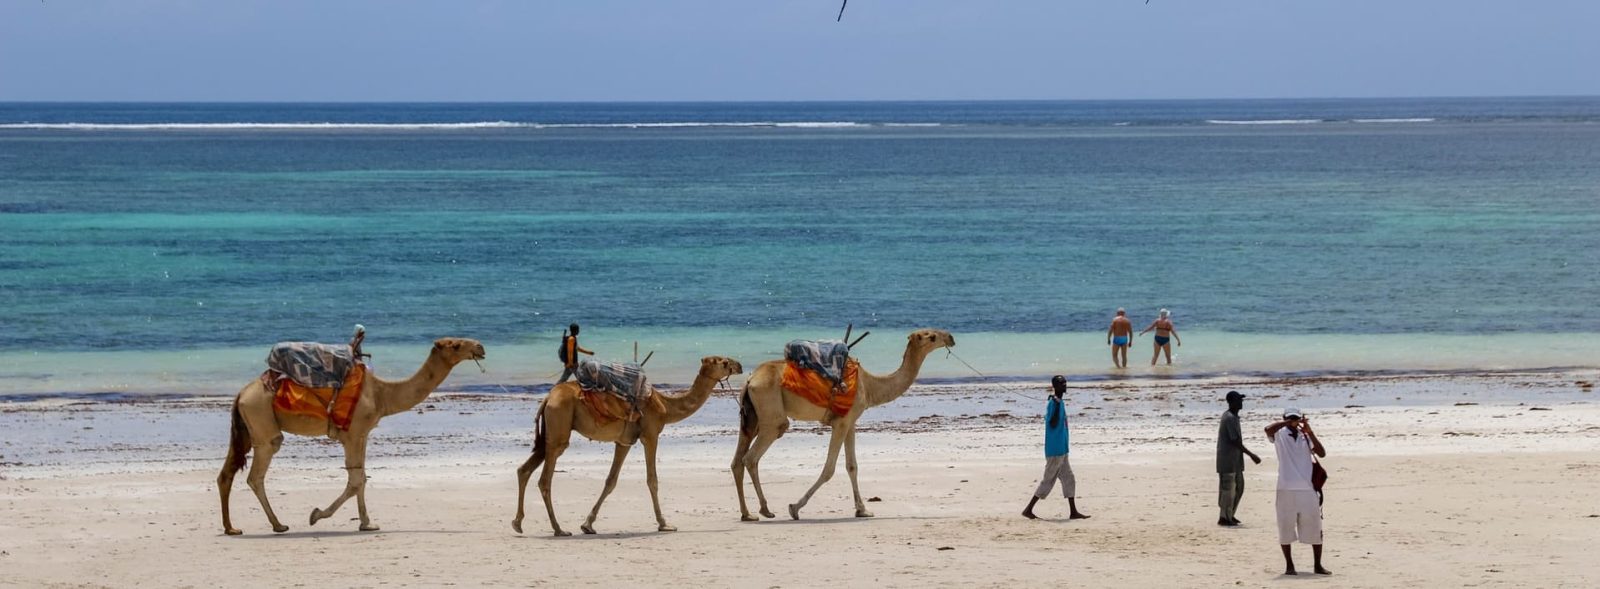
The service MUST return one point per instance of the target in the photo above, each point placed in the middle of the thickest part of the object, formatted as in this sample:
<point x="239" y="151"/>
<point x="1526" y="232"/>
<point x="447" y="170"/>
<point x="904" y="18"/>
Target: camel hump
<point x="310" y="364"/>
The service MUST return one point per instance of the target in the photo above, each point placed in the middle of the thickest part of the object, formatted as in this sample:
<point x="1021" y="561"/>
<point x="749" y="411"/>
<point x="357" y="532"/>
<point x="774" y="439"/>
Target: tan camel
<point x="766" y="408"/>
<point x="563" y="413"/>
<point x="256" y="424"/>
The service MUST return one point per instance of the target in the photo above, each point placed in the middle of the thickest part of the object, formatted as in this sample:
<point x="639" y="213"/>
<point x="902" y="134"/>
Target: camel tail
<point x="538" y="438"/>
<point x="238" y="442"/>
<point x="747" y="413"/>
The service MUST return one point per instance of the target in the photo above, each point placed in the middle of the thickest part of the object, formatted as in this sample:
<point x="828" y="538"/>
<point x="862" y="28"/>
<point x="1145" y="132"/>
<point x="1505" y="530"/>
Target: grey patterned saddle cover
<point x="618" y="378"/>
<point x="310" y="364"/>
<point x="826" y="357"/>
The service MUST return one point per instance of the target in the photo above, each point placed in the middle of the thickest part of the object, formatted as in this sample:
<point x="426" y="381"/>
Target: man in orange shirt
<point x="569" y="352"/>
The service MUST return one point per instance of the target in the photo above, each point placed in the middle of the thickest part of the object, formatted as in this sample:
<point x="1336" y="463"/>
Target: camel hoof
<point x="666" y="528"/>
<point x="516" y="524"/>
<point x="232" y="531"/>
<point x="369" y="527"/>
<point x="749" y="518"/>
<point x="316" y="514"/>
<point x="767" y="513"/>
<point x="280" y="528"/>
<point x="560" y="533"/>
<point x="586" y="529"/>
<point x="863" y="513"/>
<point x="794" y="511"/>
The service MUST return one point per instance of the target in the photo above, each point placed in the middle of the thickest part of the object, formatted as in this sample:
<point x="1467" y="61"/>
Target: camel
<point x="258" y="425"/>
<point x="766" y="408"/>
<point x="562" y="413"/>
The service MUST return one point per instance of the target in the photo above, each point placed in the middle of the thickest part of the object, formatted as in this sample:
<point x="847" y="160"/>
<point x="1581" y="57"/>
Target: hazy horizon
<point x="608" y="51"/>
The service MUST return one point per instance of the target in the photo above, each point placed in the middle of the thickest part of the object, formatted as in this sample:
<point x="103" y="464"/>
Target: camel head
<point x="456" y="350"/>
<point x="925" y="341"/>
<point x="720" y="368"/>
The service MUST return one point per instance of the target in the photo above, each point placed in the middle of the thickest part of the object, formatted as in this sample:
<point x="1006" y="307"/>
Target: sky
<point x="671" y="50"/>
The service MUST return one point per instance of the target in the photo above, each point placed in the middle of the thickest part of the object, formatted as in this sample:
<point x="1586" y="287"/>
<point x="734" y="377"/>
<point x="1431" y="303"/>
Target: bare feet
<point x="1028" y="513"/>
<point x="1290" y="572"/>
<point x="1076" y="515"/>
<point x="1226" y="523"/>
<point x="1323" y="571"/>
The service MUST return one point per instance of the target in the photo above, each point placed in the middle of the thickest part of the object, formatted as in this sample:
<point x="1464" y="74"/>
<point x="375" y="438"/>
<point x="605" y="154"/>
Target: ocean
<point x="154" y="249"/>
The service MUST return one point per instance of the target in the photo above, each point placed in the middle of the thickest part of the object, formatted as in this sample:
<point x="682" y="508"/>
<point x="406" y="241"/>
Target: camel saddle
<point x="613" y="390"/>
<point x="827" y="357"/>
<point x="320" y="381"/>
<point x="815" y="387"/>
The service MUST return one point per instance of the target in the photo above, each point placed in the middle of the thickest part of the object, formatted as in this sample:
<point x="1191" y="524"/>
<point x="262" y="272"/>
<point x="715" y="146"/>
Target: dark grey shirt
<point x="1230" y="458"/>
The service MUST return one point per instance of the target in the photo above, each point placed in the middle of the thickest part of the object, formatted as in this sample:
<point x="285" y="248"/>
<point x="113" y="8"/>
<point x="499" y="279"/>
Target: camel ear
<point x="438" y="344"/>
<point x="455" y="345"/>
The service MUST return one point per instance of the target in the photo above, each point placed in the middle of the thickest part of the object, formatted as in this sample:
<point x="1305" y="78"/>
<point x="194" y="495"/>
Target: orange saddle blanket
<point x="819" y="390"/>
<point x="607" y="408"/>
<point x="296" y="399"/>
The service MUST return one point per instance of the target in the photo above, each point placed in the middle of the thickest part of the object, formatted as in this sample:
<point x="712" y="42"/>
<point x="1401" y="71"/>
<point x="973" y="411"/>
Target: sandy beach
<point x="1461" y="481"/>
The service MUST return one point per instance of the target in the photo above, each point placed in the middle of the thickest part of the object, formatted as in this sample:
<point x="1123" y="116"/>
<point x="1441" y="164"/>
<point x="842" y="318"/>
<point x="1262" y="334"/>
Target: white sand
<point x="1423" y="494"/>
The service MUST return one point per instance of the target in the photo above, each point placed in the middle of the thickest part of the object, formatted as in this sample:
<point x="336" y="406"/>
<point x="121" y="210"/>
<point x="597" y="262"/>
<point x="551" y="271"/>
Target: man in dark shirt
<point x="1230" y="461"/>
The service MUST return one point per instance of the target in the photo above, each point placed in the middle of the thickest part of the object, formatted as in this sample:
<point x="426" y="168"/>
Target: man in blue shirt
<point x="1056" y="466"/>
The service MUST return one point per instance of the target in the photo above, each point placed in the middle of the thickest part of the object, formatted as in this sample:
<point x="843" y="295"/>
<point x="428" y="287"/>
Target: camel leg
<point x="360" y="476"/>
<point x="611" y="483"/>
<point x="850" y="468"/>
<point x="752" y="462"/>
<point x="738" y="475"/>
<point x="549" y="473"/>
<point x="225" y="487"/>
<point x="525" y="472"/>
<point x="650" y="479"/>
<point x="355" y="454"/>
<point x="839" y="433"/>
<point x="258" y="478"/>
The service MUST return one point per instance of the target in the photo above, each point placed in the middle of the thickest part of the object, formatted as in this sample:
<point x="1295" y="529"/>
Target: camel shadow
<point x="338" y="534"/>
<point x="580" y="537"/>
<point x="851" y="519"/>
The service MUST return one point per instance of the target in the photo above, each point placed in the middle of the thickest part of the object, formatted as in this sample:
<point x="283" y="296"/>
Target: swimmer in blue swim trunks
<point x="1120" y="337"/>
<point x="1165" y="333"/>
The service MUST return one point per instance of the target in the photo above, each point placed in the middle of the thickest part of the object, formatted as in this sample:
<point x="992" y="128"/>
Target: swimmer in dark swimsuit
<point x="1165" y="333"/>
<point x="1119" y="336"/>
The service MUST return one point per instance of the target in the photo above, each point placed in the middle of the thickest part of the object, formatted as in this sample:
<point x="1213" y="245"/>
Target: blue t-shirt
<point x="1055" y="438"/>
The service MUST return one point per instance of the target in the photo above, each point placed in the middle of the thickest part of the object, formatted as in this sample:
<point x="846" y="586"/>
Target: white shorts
<point x="1299" y="517"/>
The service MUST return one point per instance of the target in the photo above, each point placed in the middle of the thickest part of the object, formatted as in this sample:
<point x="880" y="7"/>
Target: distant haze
<point x="615" y="50"/>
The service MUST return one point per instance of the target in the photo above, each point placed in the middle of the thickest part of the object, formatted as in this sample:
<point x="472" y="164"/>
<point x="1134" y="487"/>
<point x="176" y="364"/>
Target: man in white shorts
<point x="1299" y="508"/>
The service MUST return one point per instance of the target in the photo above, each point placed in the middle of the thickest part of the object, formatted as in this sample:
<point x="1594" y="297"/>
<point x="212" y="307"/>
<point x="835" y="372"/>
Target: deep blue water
<point x="1006" y="217"/>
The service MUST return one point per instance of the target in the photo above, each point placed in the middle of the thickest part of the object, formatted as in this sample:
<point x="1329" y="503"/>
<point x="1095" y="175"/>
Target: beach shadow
<point x="580" y="536"/>
<point x="853" y="519"/>
<point x="337" y="534"/>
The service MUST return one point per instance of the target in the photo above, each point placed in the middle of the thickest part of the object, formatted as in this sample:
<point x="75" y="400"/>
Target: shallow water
<point x="1456" y="235"/>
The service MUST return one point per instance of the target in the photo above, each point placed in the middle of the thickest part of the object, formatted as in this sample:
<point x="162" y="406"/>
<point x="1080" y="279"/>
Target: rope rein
<point x="952" y="354"/>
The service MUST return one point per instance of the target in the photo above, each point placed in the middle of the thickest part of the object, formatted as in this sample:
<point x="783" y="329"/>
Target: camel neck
<point x="394" y="397"/>
<point x="881" y="390"/>
<point x="682" y="406"/>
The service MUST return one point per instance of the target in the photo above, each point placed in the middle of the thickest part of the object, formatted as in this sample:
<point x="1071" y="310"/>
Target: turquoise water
<point x="162" y="248"/>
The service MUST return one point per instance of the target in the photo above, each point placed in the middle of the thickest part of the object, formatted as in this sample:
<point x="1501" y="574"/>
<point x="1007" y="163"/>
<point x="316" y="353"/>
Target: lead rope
<point x="949" y="353"/>
<point x="482" y="370"/>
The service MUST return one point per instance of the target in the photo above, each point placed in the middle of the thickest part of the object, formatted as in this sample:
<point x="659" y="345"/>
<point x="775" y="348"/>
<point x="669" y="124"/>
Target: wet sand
<point x="1470" y="480"/>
